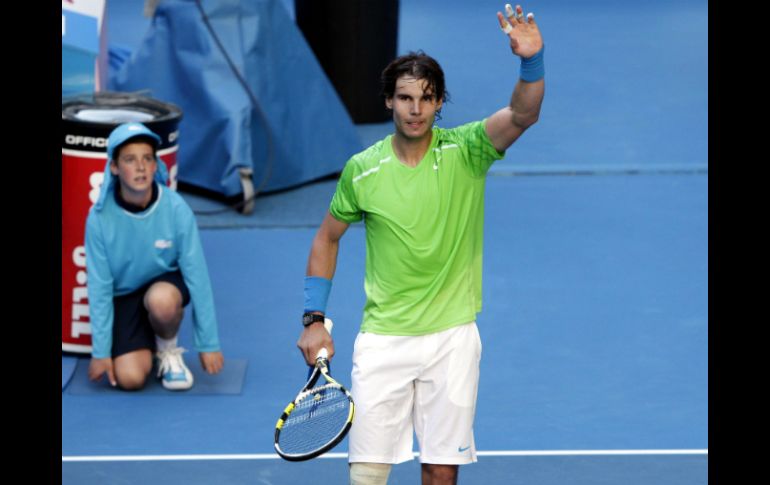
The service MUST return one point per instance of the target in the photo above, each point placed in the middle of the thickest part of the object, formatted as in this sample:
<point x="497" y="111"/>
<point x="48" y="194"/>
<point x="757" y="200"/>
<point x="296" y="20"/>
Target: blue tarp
<point x="283" y="105"/>
<point x="80" y="48"/>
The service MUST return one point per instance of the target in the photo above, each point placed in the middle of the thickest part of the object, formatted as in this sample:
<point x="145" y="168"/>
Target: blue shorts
<point x="131" y="328"/>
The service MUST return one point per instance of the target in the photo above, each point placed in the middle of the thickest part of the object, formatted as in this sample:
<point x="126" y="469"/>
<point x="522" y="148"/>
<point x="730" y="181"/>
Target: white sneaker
<point x="174" y="375"/>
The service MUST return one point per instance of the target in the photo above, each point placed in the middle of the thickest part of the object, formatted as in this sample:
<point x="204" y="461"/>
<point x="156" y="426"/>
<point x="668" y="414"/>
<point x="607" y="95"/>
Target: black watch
<point x="311" y="318"/>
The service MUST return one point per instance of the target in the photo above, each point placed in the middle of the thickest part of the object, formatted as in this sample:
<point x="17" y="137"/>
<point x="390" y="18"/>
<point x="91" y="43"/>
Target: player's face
<point x="135" y="167"/>
<point x="414" y="107"/>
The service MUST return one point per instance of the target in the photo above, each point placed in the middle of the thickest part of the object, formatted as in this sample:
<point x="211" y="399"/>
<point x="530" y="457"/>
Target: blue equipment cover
<point x="266" y="105"/>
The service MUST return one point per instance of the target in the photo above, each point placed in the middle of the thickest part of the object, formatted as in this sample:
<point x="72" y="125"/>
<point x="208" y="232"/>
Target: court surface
<point x="595" y="322"/>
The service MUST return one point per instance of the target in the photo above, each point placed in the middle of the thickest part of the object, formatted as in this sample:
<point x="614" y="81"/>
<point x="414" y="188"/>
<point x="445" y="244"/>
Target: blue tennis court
<point x="595" y="318"/>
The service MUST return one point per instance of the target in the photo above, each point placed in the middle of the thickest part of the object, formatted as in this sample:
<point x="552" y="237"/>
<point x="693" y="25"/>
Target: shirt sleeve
<point x="192" y="264"/>
<point x="100" y="290"/>
<point x="344" y="206"/>
<point x="479" y="152"/>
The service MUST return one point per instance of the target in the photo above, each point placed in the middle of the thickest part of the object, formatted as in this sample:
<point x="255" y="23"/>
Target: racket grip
<point x="323" y="353"/>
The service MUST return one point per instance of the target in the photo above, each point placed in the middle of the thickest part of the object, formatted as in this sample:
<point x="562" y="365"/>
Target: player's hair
<point x="418" y="65"/>
<point x="136" y="139"/>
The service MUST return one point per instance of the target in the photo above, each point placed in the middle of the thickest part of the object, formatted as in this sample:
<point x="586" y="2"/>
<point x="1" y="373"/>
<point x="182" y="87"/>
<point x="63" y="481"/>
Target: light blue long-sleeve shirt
<point x="125" y="250"/>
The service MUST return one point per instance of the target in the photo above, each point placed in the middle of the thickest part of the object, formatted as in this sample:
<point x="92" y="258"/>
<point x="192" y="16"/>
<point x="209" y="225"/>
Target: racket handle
<point x="323" y="353"/>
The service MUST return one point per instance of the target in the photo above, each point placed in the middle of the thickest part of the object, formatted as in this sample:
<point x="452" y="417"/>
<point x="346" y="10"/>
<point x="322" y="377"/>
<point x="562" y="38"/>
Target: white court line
<point x="273" y="456"/>
<point x="592" y="452"/>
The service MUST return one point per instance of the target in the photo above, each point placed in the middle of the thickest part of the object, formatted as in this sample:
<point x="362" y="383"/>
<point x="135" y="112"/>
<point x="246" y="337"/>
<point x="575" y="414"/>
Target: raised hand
<point x="524" y="35"/>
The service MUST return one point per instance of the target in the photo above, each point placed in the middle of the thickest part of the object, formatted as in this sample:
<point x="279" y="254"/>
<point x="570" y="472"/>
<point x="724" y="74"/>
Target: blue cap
<point x="125" y="132"/>
<point x="119" y="136"/>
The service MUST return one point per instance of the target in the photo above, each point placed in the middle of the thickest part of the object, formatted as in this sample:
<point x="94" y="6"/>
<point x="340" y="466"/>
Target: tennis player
<point x="420" y="192"/>
<point x="145" y="263"/>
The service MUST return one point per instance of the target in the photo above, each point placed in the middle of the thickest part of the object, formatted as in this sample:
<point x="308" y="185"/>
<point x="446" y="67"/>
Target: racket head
<point x="315" y="422"/>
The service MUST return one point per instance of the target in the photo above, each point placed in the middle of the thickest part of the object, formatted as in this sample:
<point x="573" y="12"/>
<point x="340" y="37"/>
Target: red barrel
<point x="86" y="124"/>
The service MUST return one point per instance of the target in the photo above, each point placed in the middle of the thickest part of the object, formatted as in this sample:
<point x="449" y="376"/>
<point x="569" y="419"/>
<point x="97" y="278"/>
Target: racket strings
<point x="315" y="421"/>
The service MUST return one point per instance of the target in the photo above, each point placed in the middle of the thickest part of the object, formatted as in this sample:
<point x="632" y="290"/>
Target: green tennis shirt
<point x="424" y="230"/>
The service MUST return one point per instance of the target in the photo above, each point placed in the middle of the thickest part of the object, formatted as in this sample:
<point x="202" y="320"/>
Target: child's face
<point x="135" y="167"/>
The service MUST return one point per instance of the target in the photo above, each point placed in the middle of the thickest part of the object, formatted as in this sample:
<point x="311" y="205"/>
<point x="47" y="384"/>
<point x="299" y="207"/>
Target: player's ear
<point x="389" y="103"/>
<point x="113" y="167"/>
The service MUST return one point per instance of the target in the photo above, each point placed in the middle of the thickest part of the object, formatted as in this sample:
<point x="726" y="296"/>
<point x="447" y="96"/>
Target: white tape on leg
<point x="369" y="473"/>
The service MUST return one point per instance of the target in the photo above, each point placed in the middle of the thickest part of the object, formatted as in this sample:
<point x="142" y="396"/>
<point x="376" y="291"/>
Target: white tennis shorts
<point x="426" y="384"/>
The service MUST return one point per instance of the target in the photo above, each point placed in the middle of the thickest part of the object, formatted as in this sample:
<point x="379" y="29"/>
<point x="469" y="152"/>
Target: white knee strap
<point x="369" y="473"/>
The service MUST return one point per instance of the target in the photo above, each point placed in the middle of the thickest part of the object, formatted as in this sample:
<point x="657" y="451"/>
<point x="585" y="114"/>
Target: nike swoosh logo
<point x="461" y="449"/>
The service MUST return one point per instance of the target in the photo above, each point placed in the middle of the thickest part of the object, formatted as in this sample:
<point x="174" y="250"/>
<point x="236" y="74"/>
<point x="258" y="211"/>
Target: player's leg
<point x="369" y="473"/>
<point x="433" y="474"/>
<point x="445" y="404"/>
<point x="384" y="368"/>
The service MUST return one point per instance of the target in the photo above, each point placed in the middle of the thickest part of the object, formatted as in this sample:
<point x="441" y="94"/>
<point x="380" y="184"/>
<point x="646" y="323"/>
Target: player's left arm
<point x="506" y="125"/>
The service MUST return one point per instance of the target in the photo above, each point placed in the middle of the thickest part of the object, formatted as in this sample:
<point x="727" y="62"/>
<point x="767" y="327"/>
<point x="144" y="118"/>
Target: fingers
<point x="213" y="367"/>
<point x="504" y="25"/>
<point x="311" y="352"/>
<point x="306" y="355"/>
<point x="315" y="352"/>
<point x="330" y="350"/>
<point x="212" y="362"/>
<point x="312" y="339"/>
<point x="519" y="14"/>
<point x="514" y="17"/>
<point x="304" y="347"/>
<point x="99" y="367"/>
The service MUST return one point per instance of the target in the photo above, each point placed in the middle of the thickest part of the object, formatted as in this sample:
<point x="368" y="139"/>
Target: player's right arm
<point x="321" y="264"/>
<point x="323" y="254"/>
<point x="506" y="125"/>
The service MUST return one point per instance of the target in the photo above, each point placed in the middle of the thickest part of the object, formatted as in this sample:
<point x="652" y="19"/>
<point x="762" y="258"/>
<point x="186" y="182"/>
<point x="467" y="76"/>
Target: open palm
<point x="523" y="32"/>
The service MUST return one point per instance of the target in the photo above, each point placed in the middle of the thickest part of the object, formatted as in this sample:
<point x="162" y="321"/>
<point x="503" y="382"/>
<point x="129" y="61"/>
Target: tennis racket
<point x="318" y="418"/>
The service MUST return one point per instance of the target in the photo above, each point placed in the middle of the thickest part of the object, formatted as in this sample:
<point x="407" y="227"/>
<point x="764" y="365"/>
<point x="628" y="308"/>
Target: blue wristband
<point x="533" y="68"/>
<point x="317" y="291"/>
